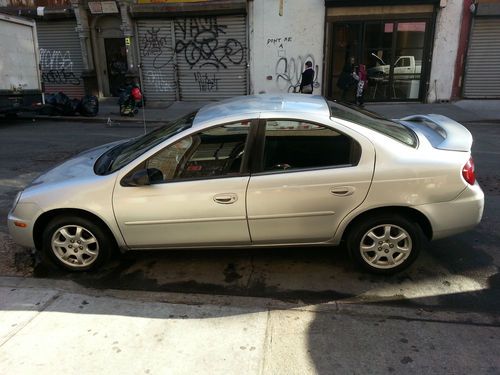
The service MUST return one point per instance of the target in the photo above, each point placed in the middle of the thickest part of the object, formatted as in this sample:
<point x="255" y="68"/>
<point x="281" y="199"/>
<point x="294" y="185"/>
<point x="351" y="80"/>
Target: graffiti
<point x="206" y="83"/>
<point x="56" y="60"/>
<point x="60" y="77"/>
<point x="155" y="45"/>
<point x="158" y="80"/>
<point x="201" y="43"/>
<point x="278" y="42"/>
<point x="57" y="67"/>
<point x="289" y="72"/>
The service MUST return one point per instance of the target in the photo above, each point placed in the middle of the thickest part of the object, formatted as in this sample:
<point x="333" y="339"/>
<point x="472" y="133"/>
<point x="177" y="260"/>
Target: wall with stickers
<point x="284" y="34"/>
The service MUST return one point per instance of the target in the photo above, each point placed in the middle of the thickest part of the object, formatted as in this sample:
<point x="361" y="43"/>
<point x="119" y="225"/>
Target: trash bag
<point x="63" y="104"/>
<point x="76" y="106"/>
<point x="89" y="106"/>
<point x="50" y="99"/>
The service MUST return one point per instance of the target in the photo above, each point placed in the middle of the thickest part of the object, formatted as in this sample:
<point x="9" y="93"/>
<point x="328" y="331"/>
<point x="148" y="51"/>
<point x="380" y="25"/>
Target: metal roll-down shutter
<point x="61" y="57"/>
<point x="211" y="57"/>
<point x="157" y="59"/>
<point x="482" y="71"/>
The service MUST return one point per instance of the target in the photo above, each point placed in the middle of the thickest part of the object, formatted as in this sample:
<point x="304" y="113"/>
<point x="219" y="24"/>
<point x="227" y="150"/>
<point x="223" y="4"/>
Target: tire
<point x="76" y="244"/>
<point x="385" y="244"/>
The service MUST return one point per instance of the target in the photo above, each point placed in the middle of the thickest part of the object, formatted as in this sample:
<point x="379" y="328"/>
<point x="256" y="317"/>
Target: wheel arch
<point x="407" y="212"/>
<point x="42" y="221"/>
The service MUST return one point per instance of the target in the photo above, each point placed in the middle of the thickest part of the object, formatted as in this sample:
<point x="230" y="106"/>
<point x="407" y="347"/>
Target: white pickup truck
<point x="405" y="67"/>
<point x="20" y="76"/>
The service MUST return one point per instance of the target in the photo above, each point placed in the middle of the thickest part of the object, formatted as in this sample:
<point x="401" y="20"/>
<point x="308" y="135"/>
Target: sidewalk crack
<point x="268" y="341"/>
<point x="49" y="302"/>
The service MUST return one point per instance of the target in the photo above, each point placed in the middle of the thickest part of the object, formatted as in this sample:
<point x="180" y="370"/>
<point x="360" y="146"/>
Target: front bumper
<point x="23" y="213"/>
<point x="456" y="216"/>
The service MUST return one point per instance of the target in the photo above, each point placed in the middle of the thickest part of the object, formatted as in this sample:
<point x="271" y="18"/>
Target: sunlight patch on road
<point x="429" y="287"/>
<point x="8" y="184"/>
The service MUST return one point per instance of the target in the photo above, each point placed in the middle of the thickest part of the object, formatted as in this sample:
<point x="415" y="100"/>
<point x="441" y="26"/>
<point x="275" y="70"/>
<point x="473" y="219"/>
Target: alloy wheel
<point x="75" y="246"/>
<point x="385" y="246"/>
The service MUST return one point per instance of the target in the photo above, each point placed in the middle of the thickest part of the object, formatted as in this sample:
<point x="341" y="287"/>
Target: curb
<point x="372" y="310"/>
<point x="97" y="119"/>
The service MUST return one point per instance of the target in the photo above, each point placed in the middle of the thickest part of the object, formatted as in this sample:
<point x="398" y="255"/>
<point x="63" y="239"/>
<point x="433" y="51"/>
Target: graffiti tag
<point x="158" y="80"/>
<point x="201" y="43"/>
<point x="60" y="76"/>
<point x="155" y="45"/>
<point x="206" y="83"/>
<point x="57" y="60"/>
<point x="289" y="72"/>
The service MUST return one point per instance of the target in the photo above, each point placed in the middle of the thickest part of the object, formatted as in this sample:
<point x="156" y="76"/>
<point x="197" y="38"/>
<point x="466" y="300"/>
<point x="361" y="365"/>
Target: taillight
<point x="468" y="172"/>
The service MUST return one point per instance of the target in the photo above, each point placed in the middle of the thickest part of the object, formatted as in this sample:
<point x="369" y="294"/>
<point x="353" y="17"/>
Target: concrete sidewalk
<point x="462" y="111"/>
<point x="50" y="327"/>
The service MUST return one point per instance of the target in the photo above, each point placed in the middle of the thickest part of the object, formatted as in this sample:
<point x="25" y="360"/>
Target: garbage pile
<point x="61" y="105"/>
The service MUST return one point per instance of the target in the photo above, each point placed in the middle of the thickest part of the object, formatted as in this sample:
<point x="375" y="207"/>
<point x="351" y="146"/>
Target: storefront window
<point x="392" y="52"/>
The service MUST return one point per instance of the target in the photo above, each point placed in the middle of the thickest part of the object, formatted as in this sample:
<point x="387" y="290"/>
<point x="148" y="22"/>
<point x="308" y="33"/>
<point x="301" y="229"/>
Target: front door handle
<point x="343" y="191"/>
<point x="225" y="198"/>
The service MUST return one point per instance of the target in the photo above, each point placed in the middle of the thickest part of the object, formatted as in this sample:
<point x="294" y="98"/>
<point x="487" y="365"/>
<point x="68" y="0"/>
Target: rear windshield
<point x="373" y="121"/>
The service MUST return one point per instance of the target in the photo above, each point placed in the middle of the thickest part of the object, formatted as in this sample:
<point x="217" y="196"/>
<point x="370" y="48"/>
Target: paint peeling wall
<point x="281" y="44"/>
<point x="445" y="51"/>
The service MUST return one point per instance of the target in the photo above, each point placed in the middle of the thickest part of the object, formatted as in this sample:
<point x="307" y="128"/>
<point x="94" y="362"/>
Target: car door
<point x="196" y="196"/>
<point x="308" y="178"/>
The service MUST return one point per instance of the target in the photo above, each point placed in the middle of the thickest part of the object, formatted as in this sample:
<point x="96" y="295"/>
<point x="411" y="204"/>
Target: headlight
<point x="16" y="201"/>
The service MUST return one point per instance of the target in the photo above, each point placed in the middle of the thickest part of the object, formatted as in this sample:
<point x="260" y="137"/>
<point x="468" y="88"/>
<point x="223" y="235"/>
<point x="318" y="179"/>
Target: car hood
<point x="80" y="166"/>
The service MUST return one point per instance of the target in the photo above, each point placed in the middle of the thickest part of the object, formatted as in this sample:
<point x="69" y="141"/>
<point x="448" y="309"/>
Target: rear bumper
<point x="459" y="215"/>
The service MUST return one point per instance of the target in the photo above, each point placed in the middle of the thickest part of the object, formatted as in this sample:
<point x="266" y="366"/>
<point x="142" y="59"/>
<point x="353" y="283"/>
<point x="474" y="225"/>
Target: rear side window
<point x="291" y="144"/>
<point x="373" y="121"/>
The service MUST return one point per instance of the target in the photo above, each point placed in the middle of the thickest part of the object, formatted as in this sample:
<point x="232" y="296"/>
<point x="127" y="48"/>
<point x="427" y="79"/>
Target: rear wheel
<point x="76" y="244"/>
<point x="385" y="244"/>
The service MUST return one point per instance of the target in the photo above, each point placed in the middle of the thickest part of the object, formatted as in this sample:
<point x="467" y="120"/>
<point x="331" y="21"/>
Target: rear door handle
<point x="225" y="198"/>
<point x="343" y="191"/>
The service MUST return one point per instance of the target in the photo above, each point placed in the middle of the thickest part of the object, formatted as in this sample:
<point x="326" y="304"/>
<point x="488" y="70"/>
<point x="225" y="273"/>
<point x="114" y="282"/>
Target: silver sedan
<point x="260" y="171"/>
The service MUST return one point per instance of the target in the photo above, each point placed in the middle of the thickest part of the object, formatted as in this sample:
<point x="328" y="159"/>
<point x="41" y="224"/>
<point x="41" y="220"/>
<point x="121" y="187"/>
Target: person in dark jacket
<point x="346" y="81"/>
<point x="306" y="83"/>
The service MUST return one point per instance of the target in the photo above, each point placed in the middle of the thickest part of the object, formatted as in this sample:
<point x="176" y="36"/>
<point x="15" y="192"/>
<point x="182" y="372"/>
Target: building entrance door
<point x="116" y="63"/>
<point x="110" y="54"/>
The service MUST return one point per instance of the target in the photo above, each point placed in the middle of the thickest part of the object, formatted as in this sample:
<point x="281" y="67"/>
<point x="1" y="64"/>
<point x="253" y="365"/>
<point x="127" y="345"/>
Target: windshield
<point x="121" y="155"/>
<point x="373" y="121"/>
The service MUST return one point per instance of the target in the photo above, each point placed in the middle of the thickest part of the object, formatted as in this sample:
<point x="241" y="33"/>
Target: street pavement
<point x="194" y="311"/>
<point x="56" y="327"/>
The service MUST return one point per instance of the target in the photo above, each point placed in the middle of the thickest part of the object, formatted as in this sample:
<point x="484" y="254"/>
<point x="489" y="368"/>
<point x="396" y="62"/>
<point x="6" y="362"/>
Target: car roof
<point x="252" y="104"/>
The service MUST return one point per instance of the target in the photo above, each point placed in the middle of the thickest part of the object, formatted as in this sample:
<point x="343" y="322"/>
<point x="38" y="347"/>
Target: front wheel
<point x="385" y="244"/>
<point x="75" y="243"/>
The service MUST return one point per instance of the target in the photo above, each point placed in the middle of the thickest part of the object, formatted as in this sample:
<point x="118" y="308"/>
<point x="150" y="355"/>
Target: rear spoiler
<point x="452" y="135"/>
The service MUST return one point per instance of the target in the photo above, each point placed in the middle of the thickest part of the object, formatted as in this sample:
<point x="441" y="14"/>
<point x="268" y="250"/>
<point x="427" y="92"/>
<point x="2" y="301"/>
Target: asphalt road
<point x="459" y="273"/>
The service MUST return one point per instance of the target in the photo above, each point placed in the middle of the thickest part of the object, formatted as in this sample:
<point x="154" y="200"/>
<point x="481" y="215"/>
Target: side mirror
<point x="143" y="177"/>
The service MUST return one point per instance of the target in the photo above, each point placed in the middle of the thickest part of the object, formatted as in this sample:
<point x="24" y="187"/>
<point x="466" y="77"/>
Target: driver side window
<point x="213" y="152"/>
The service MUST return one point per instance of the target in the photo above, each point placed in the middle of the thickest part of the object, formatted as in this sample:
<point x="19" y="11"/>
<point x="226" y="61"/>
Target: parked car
<point x="254" y="171"/>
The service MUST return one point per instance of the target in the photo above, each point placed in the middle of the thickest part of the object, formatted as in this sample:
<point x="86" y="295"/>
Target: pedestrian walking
<point x="361" y="77"/>
<point x="306" y="83"/>
<point x="346" y="79"/>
